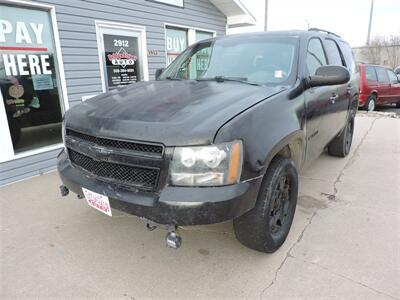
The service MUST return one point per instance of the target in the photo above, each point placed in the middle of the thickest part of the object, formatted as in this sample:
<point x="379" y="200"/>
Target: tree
<point x="383" y="51"/>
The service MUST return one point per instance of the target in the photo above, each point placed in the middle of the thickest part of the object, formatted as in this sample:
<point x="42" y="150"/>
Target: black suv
<point x="220" y="135"/>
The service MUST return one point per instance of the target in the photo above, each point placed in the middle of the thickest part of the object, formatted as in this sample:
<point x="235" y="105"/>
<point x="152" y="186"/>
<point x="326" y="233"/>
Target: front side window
<point x="261" y="61"/>
<point x="315" y="56"/>
<point x="370" y="74"/>
<point x="382" y="75"/>
<point x="348" y="56"/>
<point x="392" y="77"/>
<point x="29" y="78"/>
<point x="333" y="53"/>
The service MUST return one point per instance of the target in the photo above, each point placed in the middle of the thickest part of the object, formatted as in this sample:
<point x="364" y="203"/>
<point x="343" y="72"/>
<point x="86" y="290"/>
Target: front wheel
<point x="265" y="227"/>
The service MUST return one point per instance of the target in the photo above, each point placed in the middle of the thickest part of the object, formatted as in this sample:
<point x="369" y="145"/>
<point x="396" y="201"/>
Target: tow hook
<point x="64" y="190"/>
<point x="173" y="239"/>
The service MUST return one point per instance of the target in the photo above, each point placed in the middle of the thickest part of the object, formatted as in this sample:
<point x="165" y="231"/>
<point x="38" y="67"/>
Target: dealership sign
<point x="121" y="54"/>
<point x="27" y="37"/>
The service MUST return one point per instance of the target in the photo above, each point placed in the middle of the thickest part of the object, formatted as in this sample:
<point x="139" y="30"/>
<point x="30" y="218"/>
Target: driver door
<point x="319" y="103"/>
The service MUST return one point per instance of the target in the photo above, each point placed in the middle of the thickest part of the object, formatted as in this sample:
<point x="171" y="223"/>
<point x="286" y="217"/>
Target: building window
<point x="179" y="38"/>
<point x="29" y="79"/>
<point x="122" y="54"/>
<point x="176" y="42"/>
<point x="203" y="35"/>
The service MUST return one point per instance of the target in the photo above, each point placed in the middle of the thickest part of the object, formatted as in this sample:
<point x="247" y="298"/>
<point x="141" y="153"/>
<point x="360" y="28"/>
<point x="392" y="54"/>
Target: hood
<point x="175" y="113"/>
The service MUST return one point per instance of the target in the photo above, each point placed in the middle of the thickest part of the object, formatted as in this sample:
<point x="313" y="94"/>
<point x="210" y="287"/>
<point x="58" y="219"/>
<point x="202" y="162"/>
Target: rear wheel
<point x="266" y="226"/>
<point x="370" y="104"/>
<point x="340" y="146"/>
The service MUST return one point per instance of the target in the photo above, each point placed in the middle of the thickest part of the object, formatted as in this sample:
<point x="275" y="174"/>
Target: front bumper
<point x="171" y="205"/>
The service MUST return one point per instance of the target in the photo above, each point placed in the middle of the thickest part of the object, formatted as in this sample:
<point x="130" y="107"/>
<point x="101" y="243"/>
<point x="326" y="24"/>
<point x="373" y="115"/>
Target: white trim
<point x="191" y="34"/>
<point x="140" y="30"/>
<point x="6" y="149"/>
<point x="9" y="154"/>
<point x="28" y="4"/>
<point x="59" y="58"/>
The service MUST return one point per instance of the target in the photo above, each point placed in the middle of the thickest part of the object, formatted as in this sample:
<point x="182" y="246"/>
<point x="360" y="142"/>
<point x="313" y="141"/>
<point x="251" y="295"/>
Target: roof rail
<point x="322" y="30"/>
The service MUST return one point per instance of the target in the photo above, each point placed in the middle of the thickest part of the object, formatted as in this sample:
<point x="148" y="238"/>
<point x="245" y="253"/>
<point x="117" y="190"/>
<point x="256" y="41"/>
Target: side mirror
<point x="329" y="75"/>
<point x="159" y="72"/>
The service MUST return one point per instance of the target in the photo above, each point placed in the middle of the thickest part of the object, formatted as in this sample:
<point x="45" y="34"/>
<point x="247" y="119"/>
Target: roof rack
<point x="322" y="30"/>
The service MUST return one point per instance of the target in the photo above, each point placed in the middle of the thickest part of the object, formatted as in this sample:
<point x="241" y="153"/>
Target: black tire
<point x="370" y="104"/>
<point x="340" y="146"/>
<point x="258" y="229"/>
<point x="398" y="105"/>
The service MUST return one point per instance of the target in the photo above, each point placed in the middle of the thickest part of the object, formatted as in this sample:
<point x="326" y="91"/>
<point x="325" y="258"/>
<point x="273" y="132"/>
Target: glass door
<point x="32" y="104"/>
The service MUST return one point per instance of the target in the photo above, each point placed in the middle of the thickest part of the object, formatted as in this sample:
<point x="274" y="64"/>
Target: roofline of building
<point x="236" y="12"/>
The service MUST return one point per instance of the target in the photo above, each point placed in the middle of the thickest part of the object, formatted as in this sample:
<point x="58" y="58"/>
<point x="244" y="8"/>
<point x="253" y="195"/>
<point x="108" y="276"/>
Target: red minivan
<point x="378" y="85"/>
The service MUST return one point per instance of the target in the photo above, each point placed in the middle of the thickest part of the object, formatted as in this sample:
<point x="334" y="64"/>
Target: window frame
<point x="7" y="150"/>
<point x="191" y="35"/>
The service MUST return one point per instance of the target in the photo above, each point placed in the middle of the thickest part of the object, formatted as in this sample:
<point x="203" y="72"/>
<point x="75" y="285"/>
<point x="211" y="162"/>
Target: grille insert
<point x="145" y="148"/>
<point x="141" y="177"/>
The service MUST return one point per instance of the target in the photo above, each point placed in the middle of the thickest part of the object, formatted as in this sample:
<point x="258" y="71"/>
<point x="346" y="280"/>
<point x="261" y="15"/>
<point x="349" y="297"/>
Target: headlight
<point x="207" y="165"/>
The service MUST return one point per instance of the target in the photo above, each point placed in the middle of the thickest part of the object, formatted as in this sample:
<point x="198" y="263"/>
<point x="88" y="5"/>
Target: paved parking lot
<point x="344" y="243"/>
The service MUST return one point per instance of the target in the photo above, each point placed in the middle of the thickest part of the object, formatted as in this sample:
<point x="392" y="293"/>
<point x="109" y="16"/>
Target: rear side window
<point x="370" y="74"/>
<point x="392" y="76"/>
<point x="333" y="53"/>
<point x="315" y="56"/>
<point x="348" y="56"/>
<point x="382" y="74"/>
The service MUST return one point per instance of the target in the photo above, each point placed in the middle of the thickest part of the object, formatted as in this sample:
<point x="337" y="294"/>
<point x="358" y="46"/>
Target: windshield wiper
<point x="226" y="78"/>
<point x="173" y="78"/>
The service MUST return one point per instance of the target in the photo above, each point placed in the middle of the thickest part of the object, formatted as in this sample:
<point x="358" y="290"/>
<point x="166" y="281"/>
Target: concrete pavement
<point x="344" y="242"/>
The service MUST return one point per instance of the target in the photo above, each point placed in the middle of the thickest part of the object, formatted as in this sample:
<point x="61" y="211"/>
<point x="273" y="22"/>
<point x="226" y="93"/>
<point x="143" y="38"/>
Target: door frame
<point x="122" y="29"/>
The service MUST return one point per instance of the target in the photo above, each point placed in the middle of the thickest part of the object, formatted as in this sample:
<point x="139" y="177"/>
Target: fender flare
<point x="296" y="141"/>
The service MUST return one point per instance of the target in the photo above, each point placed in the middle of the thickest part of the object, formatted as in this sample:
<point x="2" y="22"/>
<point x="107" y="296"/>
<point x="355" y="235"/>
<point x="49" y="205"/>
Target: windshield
<point x="260" y="60"/>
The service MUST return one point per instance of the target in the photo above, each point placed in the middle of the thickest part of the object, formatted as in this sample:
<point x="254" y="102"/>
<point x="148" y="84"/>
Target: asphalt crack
<point x="352" y="157"/>
<point x="288" y="254"/>
<point x="350" y="279"/>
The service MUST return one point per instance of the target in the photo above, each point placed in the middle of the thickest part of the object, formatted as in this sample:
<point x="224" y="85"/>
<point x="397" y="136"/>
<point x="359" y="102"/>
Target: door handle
<point x="333" y="98"/>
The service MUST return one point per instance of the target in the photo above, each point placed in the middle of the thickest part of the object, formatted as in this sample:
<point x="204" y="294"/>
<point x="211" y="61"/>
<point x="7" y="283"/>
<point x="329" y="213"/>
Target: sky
<point x="347" y="18"/>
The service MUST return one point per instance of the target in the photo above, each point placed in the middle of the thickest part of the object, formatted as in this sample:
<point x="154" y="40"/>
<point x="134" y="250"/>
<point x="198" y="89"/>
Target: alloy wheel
<point x="280" y="204"/>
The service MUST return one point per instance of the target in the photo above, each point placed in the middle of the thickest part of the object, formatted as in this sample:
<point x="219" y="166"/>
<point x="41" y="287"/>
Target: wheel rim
<point x="280" y="204"/>
<point x="349" y="136"/>
<point x="371" y="105"/>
